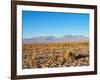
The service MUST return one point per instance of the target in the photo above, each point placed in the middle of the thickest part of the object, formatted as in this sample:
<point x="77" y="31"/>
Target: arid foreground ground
<point x="55" y="55"/>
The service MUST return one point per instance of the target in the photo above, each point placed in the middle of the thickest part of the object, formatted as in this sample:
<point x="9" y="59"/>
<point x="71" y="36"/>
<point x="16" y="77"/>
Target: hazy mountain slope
<point x="50" y="39"/>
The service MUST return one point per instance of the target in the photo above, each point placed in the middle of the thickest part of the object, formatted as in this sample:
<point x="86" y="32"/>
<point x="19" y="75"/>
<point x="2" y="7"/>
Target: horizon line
<point x="55" y="36"/>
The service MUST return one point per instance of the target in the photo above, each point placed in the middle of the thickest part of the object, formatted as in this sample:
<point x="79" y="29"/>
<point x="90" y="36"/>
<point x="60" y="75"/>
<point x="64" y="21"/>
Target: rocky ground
<point x="58" y="56"/>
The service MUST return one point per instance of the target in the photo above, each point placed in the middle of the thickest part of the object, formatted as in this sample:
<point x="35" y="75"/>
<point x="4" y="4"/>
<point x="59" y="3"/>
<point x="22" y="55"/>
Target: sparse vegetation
<point x="55" y="55"/>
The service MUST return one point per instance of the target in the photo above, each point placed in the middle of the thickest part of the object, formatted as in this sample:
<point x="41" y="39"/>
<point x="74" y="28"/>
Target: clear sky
<point x="55" y="24"/>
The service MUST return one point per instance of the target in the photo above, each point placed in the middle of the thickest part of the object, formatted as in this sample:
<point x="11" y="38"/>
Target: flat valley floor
<point x="51" y="55"/>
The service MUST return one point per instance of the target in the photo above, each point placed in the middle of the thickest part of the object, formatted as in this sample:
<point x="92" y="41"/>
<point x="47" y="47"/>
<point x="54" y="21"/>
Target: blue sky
<point x="55" y="24"/>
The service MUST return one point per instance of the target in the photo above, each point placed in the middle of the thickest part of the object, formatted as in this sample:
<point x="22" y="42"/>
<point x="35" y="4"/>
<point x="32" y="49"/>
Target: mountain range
<point x="53" y="39"/>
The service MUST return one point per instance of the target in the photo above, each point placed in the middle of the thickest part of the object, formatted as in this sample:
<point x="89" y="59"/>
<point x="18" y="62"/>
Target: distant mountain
<point x="52" y="39"/>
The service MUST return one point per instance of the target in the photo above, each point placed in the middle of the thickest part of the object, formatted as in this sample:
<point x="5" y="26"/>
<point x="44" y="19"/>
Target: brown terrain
<point x="51" y="55"/>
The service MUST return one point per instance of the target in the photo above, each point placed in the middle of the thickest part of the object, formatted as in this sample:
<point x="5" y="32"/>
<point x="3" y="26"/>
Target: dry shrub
<point x="55" y="55"/>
